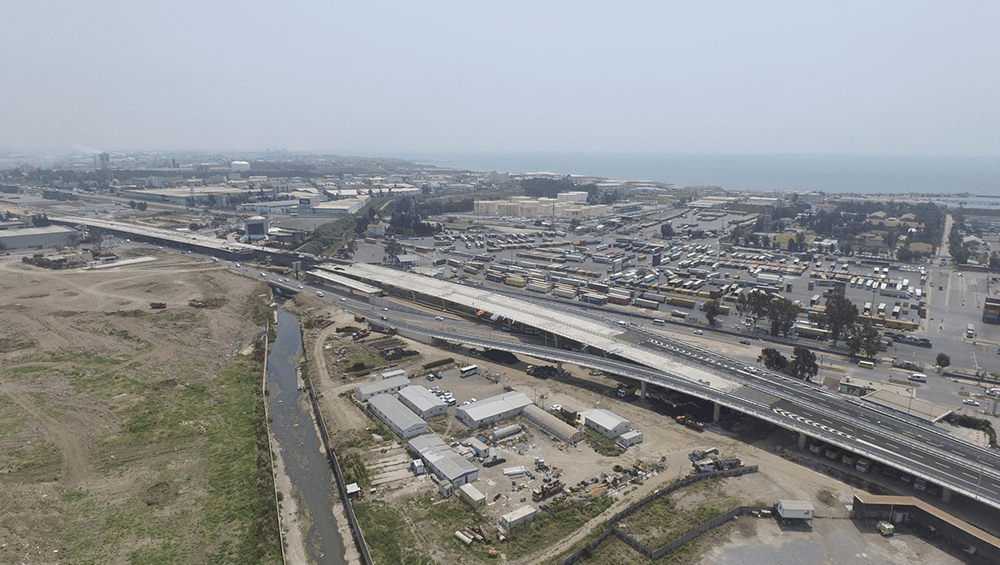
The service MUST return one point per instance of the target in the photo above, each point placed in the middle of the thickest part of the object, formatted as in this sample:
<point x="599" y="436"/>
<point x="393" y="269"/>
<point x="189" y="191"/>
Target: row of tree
<point x="757" y="305"/>
<point x="840" y="318"/>
<point x="802" y="365"/>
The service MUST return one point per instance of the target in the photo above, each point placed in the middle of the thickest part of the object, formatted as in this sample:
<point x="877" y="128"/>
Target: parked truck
<point x="690" y="422"/>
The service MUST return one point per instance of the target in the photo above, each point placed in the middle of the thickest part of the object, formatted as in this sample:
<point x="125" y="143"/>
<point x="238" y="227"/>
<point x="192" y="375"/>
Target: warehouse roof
<point x="605" y="418"/>
<point x="376" y="387"/>
<point x="421" y="398"/>
<point x="506" y="402"/>
<point x="394" y="411"/>
<point x="439" y="455"/>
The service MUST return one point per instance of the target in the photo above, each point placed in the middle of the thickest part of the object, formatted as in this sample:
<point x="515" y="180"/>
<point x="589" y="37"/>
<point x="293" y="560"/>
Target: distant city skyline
<point x="890" y="78"/>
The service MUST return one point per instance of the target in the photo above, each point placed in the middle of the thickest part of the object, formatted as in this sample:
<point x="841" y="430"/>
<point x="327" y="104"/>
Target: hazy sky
<point x="367" y="77"/>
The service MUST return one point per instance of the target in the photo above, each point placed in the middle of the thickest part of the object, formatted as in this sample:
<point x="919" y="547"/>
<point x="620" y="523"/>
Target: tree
<point x="862" y="338"/>
<point x="753" y="306"/>
<point x="943" y="360"/>
<point x="132" y="204"/>
<point x="666" y="230"/>
<point x="803" y="365"/>
<point x="782" y="312"/>
<point x="141" y="206"/>
<point x="840" y="314"/>
<point x="773" y="359"/>
<point x="712" y="310"/>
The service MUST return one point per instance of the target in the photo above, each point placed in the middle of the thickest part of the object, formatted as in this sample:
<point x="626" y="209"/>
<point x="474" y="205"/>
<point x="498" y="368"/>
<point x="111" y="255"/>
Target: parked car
<point x="970" y="402"/>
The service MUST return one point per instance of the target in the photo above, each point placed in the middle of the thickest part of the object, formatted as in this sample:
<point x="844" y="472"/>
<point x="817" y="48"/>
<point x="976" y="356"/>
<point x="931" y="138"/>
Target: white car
<point x="439" y="318"/>
<point x="993" y="392"/>
<point x="556" y="407"/>
<point x="301" y="287"/>
<point x="698" y="332"/>
<point x="970" y="402"/>
<point x="319" y="294"/>
<point x="342" y="299"/>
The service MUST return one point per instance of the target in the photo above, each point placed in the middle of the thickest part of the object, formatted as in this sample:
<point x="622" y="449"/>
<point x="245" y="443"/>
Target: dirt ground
<point x="778" y="477"/>
<point x="69" y="340"/>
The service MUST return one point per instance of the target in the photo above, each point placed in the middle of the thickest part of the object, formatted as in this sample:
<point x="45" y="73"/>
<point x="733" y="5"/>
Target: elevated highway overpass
<point x="864" y="428"/>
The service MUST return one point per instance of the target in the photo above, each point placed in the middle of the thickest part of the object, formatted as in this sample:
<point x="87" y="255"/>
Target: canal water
<point x="294" y="429"/>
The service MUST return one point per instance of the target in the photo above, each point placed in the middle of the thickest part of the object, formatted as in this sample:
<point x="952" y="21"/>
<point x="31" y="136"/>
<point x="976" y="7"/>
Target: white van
<point x="918" y="378"/>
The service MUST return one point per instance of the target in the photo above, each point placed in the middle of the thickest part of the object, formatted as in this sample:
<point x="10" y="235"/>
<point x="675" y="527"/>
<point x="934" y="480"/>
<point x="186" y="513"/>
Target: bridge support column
<point x="559" y="365"/>
<point x="945" y="495"/>
<point x="642" y="389"/>
<point x="717" y="412"/>
<point x="802" y="441"/>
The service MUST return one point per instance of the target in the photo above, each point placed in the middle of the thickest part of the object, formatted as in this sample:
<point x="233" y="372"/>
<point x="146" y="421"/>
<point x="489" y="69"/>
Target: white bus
<point x="469" y="371"/>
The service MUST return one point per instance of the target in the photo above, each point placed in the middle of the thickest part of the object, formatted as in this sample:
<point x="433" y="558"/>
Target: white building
<point x="344" y="207"/>
<point x="628" y="439"/>
<point x="487" y="411"/>
<point x="522" y="515"/>
<point x="606" y="423"/>
<point x="368" y="390"/>
<point x="394" y="373"/>
<point x="442" y="460"/>
<point x="239" y="166"/>
<point x="552" y="425"/>
<point x="472" y="495"/>
<point x="48" y="236"/>
<point x="573" y="196"/>
<point x="399" y="418"/>
<point x="423" y="403"/>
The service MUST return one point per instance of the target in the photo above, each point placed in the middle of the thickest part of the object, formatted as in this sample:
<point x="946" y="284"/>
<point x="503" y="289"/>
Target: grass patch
<point x="41" y="457"/>
<point x="602" y="445"/>
<point x="388" y="537"/>
<point x="438" y="424"/>
<point x="663" y="520"/>
<point x="258" y="305"/>
<point x="395" y="533"/>
<point x="219" y="422"/>
<point x="354" y="470"/>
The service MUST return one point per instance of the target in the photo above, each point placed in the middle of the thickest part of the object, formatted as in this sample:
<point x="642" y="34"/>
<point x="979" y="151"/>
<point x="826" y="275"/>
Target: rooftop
<point x="381" y="385"/>
<point x="395" y="411"/>
<point x="420" y="397"/>
<point x="437" y="453"/>
<point x="605" y="418"/>
<point x="498" y="404"/>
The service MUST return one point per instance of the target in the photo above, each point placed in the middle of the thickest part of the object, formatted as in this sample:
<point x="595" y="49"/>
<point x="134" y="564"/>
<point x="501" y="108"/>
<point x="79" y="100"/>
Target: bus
<point x="866" y="364"/>
<point x="868" y="309"/>
<point x="469" y="371"/>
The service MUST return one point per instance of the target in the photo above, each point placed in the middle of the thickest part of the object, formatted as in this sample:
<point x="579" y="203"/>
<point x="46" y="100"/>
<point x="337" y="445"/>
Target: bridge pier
<point x="559" y="365"/>
<point x="802" y="441"/>
<point x="945" y="495"/>
<point x="642" y="389"/>
<point x="716" y="412"/>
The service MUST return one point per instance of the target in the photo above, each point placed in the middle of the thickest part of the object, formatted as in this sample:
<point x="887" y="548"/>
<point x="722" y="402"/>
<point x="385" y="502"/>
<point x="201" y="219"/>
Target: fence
<point x="331" y="457"/>
<point x="610" y="528"/>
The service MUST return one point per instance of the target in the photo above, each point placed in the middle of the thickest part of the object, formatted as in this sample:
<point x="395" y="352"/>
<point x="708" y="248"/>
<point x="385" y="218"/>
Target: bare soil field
<point x="132" y="435"/>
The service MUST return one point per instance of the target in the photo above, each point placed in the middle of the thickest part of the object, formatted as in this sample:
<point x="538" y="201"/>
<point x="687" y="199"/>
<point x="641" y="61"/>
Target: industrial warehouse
<point x="398" y="417"/>
<point x="494" y="409"/>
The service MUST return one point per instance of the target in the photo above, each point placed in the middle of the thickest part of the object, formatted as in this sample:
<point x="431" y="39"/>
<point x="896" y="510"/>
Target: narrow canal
<point x="294" y="429"/>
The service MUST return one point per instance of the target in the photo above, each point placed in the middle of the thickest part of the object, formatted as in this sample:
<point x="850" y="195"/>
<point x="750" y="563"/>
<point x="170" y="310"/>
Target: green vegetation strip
<point x="228" y="513"/>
